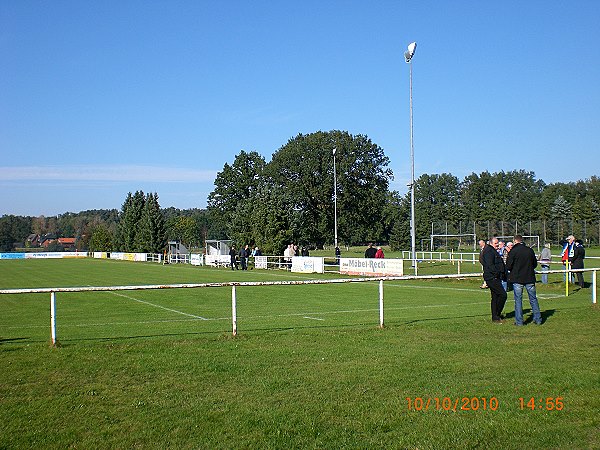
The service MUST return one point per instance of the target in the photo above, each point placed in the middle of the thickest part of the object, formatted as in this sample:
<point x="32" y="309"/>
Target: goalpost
<point x="454" y="241"/>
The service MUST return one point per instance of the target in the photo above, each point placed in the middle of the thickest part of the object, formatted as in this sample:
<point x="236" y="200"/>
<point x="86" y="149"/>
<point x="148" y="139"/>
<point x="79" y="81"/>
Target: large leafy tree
<point x="236" y="187"/>
<point x="303" y="169"/>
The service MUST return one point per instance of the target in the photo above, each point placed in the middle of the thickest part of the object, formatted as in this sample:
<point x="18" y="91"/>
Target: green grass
<point x="310" y="367"/>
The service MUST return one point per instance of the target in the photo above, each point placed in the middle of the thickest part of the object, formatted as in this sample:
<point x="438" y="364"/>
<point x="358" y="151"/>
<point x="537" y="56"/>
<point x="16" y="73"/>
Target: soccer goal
<point x="466" y="241"/>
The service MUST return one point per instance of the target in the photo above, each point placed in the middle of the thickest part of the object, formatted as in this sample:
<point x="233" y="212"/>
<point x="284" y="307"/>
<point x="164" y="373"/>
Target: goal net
<point x="458" y="242"/>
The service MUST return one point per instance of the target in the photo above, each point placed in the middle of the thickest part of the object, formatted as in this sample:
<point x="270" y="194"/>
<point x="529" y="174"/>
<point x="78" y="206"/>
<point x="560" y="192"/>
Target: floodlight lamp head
<point x="334" y="151"/>
<point x="410" y="52"/>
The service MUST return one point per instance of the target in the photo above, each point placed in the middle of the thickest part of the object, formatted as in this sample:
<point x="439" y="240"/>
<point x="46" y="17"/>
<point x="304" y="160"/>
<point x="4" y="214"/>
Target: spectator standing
<point x="493" y="271"/>
<point x="379" y="254"/>
<point x="481" y="247"/>
<point x="505" y="283"/>
<point x="233" y="255"/>
<point x="338" y="254"/>
<point x="521" y="264"/>
<point x="545" y="259"/>
<point x="564" y="257"/>
<point x="244" y="254"/>
<point x="576" y="257"/>
<point x="370" y="251"/>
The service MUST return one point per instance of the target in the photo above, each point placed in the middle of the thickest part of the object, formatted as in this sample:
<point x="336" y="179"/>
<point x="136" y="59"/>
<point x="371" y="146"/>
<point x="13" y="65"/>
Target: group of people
<point x="513" y="266"/>
<point x="244" y="255"/>
<point x="372" y="252"/>
<point x="518" y="269"/>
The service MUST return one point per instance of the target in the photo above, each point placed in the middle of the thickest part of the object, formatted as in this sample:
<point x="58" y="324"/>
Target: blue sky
<point x="98" y="99"/>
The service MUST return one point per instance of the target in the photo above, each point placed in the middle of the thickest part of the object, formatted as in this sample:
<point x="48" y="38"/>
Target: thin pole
<point x="53" y="318"/>
<point x="594" y="287"/>
<point x="234" y="310"/>
<point x="413" y="237"/>
<point x="381" y="303"/>
<point x="567" y="277"/>
<point x="335" y="201"/>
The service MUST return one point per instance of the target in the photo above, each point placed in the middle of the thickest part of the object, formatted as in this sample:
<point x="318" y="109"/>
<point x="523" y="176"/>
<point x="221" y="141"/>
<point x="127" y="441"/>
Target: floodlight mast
<point x="335" y="202"/>
<point x="408" y="55"/>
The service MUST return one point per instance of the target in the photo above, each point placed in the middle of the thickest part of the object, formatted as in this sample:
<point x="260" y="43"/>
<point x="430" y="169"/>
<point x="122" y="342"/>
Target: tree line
<point x="291" y="199"/>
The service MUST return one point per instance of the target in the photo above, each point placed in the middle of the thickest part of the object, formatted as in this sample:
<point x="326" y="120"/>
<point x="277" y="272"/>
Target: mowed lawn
<point x="309" y="368"/>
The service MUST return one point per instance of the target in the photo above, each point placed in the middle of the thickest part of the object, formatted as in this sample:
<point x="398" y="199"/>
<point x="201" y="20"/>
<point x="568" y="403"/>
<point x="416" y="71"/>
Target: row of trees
<point x="140" y="224"/>
<point x="291" y="199"/>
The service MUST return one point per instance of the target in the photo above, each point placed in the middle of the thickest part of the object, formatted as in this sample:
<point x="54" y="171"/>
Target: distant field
<point x="310" y="368"/>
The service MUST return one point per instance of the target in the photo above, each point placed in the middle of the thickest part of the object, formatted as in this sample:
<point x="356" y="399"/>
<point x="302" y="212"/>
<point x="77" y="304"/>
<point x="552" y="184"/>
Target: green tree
<point x="235" y="192"/>
<point x="561" y="211"/>
<point x="303" y="169"/>
<point x="131" y="214"/>
<point x="101" y="239"/>
<point x="151" y="233"/>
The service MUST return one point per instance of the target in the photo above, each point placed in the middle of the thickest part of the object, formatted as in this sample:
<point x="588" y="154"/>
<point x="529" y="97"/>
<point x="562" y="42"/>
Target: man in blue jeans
<point x="521" y="263"/>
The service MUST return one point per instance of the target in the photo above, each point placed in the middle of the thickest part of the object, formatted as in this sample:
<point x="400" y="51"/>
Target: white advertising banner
<point x="218" y="260"/>
<point x="308" y="264"/>
<point x="260" y="262"/>
<point x="46" y="255"/>
<point x="372" y="266"/>
<point x="195" y="259"/>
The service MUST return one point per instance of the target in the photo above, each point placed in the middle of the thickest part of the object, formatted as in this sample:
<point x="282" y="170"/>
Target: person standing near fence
<point x="493" y="271"/>
<point x="545" y="259"/>
<point x="521" y="264"/>
<point x="481" y="247"/>
<point x="576" y="257"/>
<point x="370" y="251"/>
<point x="379" y="254"/>
<point x="233" y="256"/>
<point x="244" y="254"/>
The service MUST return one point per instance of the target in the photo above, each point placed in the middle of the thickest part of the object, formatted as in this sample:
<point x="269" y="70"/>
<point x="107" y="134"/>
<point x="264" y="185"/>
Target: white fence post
<point x="53" y="317"/>
<point x="594" y="286"/>
<point x="234" y="310"/>
<point x="381" y="303"/>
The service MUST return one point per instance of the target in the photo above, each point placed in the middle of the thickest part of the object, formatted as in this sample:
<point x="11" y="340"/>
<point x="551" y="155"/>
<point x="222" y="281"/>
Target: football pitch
<point x="310" y="367"/>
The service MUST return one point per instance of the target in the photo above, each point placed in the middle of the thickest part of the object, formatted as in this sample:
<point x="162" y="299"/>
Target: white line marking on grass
<point x="158" y="306"/>
<point x="312" y="318"/>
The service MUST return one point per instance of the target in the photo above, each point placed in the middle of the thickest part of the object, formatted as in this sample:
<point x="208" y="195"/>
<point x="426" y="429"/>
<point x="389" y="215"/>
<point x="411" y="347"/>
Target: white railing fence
<point x="233" y="285"/>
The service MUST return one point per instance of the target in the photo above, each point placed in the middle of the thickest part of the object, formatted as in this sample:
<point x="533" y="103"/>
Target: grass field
<point x="310" y="368"/>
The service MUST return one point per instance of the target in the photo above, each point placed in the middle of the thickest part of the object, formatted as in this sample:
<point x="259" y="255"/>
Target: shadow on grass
<point x="69" y="342"/>
<point x="3" y="340"/>
<point x="546" y="314"/>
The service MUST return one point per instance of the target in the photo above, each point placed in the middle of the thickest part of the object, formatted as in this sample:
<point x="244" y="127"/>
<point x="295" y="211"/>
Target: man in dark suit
<point x="576" y="257"/>
<point x="521" y="264"/>
<point x="493" y="273"/>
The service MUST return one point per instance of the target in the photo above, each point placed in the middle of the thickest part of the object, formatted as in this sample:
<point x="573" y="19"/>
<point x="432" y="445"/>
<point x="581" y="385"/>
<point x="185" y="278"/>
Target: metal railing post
<point x="381" y="303"/>
<point x="233" y="310"/>
<point x="53" y="318"/>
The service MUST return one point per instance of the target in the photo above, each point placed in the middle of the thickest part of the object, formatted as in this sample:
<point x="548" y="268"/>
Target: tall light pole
<point x="408" y="55"/>
<point x="334" y="201"/>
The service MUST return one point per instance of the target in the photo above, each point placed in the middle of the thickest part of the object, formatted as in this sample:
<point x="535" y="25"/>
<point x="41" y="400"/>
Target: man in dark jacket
<point x="493" y="273"/>
<point x="232" y="255"/>
<point x="521" y="264"/>
<point x="576" y="257"/>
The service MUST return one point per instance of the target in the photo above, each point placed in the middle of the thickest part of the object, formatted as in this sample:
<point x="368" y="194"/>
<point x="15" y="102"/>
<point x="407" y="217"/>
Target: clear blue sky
<point x="101" y="98"/>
